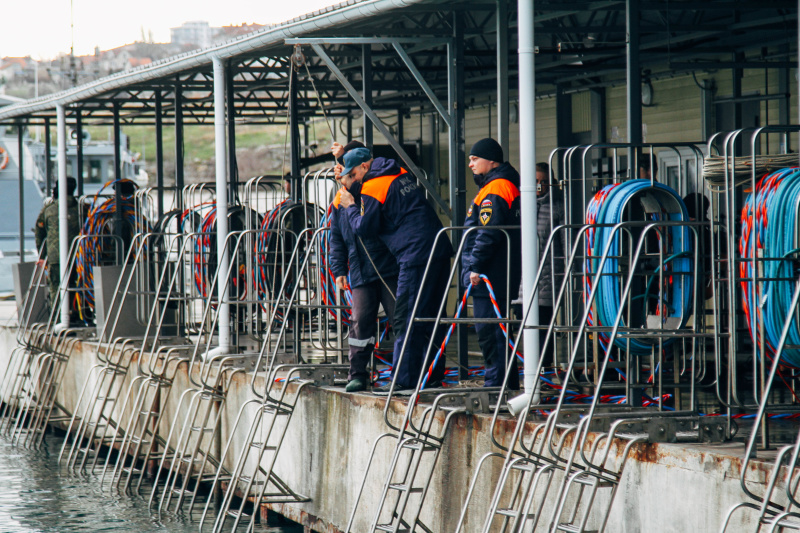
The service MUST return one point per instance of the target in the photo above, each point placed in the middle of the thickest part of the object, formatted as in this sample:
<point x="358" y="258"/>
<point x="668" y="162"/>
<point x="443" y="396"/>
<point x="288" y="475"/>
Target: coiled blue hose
<point x="771" y="230"/>
<point x="608" y="207"/>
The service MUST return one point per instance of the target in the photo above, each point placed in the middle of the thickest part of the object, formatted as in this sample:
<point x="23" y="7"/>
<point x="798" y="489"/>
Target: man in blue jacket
<point x="393" y="207"/>
<point x="488" y="251"/>
<point x="370" y="287"/>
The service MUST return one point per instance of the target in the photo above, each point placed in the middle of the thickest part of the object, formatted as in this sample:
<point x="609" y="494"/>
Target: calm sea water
<point x="38" y="495"/>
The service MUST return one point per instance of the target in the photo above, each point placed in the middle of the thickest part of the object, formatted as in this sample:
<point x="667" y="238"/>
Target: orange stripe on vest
<point x="378" y="187"/>
<point x="338" y="199"/>
<point x="502" y="188"/>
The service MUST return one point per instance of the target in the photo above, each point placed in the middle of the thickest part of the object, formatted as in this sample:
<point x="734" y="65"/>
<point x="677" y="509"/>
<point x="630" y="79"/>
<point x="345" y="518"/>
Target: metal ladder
<point x="36" y="372"/>
<point x="415" y="458"/>
<point x="772" y="510"/>
<point x="582" y="473"/>
<point x="252" y="480"/>
<point x="139" y="443"/>
<point x="195" y="439"/>
<point x="158" y="362"/>
<point x="92" y="426"/>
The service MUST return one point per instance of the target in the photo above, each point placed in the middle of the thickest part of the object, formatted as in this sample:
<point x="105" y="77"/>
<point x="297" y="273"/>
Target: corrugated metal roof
<point x="327" y="18"/>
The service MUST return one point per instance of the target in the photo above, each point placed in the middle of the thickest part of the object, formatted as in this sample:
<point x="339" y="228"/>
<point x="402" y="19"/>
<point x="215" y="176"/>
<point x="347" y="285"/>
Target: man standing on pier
<point x="494" y="253"/>
<point x="47" y="231"/>
<point x="373" y="278"/>
<point x="394" y="208"/>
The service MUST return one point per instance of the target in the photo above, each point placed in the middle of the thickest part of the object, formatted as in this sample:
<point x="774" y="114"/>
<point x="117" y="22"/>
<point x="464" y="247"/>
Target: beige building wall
<point x="674" y="116"/>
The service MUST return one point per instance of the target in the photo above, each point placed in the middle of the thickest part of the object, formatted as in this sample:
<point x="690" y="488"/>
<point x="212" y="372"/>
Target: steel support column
<point x="223" y="255"/>
<point x="598" y="110"/>
<point x="783" y="91"/>
<point x="298" y="215"/>
<point x="159" y="154"/>
<point x="527" y="167"/>
<point x="179" y="145"/>
<point x="401" y="126"/>
<point x="736" y="83"/>
<point x="118" y="218"/>
<point x="366" y="90"/>
<point x="634" y="85"/>
<point x="502" y="76"/>
<point x="563" y="117"/>
<point x="233" y="169"/>
<point x="20" y="168"/>
<point x="63" y="214"/>
<point x="707" y="125"/>
<point x="48" y="162"/>
<point x="456" y="152"/>
<point x="79" y="151"/>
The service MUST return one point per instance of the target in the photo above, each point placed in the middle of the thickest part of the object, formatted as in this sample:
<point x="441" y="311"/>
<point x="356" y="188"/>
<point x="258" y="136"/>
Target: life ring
<point x="3" y="158"/>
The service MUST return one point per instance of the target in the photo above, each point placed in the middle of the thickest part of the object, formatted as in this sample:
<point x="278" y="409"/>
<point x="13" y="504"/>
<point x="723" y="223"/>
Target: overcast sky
<point x="41" y="28"/>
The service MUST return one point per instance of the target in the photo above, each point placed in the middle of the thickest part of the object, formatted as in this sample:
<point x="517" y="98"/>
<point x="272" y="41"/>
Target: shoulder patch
<point x="486" y="203"/>
<point x="362" y="207"/>
<point x="486" y="214"/>
<point x="469" y="211"/>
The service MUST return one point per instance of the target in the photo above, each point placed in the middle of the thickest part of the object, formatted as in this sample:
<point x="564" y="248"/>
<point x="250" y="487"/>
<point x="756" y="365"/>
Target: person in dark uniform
<point x="47" y="230"/>
<point x="487" y="252"/>
<point x="394" y="208"/>
<point x="370" y="287"/>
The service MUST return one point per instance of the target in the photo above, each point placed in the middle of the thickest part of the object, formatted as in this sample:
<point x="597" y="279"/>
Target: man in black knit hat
<point x="487" y="251"/>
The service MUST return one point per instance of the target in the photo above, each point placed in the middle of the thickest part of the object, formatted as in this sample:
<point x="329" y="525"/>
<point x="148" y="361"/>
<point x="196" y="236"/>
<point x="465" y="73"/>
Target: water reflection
<point x="38" y="495"/>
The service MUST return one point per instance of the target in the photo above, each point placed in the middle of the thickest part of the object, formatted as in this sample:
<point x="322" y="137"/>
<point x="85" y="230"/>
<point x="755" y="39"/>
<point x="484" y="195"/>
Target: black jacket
<point x="349" y="255"/>
<point x="394" y="208"/>
<point x="486" y="251"/>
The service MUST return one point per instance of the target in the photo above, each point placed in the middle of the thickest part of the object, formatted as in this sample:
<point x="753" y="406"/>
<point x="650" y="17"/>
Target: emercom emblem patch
<point x="362" y="207"/>
<point x="486" y="211"/>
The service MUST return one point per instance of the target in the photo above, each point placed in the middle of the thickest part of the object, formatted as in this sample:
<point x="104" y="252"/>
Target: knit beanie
<point x="489" y="149"/>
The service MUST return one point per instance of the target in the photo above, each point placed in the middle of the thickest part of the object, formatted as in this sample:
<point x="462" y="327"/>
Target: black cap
<point x="489" y="149"/>
<point x="71" y="186"/>
<point x="126" y="187"/>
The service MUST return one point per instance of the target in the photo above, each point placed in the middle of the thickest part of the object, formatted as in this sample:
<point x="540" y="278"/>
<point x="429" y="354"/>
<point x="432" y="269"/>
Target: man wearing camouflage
<point x="47" y="230"/>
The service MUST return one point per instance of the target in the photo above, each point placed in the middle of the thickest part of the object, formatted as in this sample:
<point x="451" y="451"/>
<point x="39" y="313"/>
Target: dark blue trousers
<point x="428" y="298"/>
<point x="364" y="322"/>
<point x="493" y="345"/>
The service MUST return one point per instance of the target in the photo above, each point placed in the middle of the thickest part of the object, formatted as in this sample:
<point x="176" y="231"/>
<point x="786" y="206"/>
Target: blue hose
<point x="608" y="207"/>
<point x="771" y="230"/>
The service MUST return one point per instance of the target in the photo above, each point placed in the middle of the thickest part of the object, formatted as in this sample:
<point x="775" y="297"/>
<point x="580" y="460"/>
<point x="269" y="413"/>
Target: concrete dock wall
<point x="664" y="487"/>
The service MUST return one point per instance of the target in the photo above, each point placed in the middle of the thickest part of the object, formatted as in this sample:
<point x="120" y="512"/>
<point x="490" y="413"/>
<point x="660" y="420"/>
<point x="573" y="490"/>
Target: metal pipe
<point x="79" y="146"/>
<point x="634" y="86"/>
<point x="233" y="169"/>
<point x="118" y="218"/>
<point x="527" y="167"/>
<point x="220" y="154"/>
<point x="48" y="163"/>
<point x="63" y="216"/>
<point x="502" y="76"/>
<point x="179" y="144"/>
<point x="456" y="151"/>
<point x="21" y="156"/>
<point x="366" y="88"/>
<point x="159" y="155"/>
